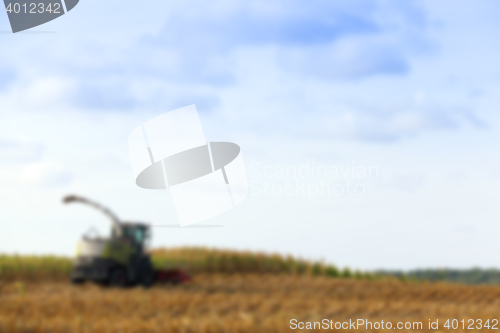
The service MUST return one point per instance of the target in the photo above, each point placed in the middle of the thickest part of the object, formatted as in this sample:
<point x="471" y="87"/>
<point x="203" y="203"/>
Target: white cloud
<point x="20" y="150"/>
<point x="44" y="174"/>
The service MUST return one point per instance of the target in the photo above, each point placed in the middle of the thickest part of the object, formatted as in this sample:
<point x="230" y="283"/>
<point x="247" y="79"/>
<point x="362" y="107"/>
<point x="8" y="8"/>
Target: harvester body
<point x="119" y="260"/>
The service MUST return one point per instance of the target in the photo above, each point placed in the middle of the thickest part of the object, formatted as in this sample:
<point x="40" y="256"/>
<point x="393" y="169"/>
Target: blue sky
<point x="409" y="87"/>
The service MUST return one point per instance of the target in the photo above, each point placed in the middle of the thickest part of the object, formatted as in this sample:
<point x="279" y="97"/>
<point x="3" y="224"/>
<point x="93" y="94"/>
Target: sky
<point x="369" y="128"/>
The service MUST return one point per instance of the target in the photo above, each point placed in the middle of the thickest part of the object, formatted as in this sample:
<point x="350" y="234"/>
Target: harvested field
<point x="238" y="303"/>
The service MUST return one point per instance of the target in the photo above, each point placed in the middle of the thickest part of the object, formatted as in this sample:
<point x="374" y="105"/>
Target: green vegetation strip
<point x="205" y="260"/>
<point x="195" y="260"/>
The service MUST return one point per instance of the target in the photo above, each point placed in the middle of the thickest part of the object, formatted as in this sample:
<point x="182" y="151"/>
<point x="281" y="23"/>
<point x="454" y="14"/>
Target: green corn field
<point x="194" y="260"/>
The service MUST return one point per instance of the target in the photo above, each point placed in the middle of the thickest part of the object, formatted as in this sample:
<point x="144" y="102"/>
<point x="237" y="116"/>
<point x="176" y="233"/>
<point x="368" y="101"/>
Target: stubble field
<point x="248" y="302"/>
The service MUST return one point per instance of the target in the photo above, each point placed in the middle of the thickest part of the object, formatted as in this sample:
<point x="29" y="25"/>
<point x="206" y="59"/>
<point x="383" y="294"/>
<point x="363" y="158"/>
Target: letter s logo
<point x="26" y="14"/>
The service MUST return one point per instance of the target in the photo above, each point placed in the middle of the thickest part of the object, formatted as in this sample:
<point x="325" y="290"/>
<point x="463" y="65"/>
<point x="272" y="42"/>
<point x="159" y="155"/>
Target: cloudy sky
<point x="316" y="94"/>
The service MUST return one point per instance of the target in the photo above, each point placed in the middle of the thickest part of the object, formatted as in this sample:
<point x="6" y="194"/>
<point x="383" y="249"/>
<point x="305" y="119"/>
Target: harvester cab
<point x="119" y="260"/>
<point x="136" y="235"/>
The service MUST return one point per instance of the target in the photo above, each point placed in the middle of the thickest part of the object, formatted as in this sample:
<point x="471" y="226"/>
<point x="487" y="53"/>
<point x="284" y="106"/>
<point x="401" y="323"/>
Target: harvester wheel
<point x="147" y="278"/>
<point x="77" y="281"/>
<point x="118" y="278"/>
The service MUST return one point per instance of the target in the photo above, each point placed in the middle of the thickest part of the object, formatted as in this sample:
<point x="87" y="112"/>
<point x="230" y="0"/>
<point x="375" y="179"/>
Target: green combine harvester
<point x="120" y="260"/>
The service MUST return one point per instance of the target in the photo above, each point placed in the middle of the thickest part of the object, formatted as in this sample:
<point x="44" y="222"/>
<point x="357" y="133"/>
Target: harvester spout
<point x="74" y="198"/>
